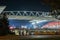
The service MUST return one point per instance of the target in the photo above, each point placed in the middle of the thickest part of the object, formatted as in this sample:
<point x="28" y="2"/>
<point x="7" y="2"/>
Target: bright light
<point x="23" y="26"/>
<point x="11" y="28"/>
<point x="33" y="23"/>
<point x="35" y="26"/>
<point x="37" y="21"/>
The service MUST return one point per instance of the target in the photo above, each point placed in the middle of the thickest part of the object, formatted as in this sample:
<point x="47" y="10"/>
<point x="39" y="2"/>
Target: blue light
<point x="26" y="23"/>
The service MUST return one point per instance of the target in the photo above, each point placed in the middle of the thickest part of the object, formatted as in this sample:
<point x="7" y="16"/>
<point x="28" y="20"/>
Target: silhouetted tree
<point x="4" y="29"/>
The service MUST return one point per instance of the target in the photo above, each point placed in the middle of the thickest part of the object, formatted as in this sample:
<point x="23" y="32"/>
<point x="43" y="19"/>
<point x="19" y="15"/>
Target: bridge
<point x="28" y="15"/>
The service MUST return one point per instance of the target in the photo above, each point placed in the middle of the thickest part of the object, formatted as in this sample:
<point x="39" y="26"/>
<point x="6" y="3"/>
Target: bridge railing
<point x="26" y="13"/>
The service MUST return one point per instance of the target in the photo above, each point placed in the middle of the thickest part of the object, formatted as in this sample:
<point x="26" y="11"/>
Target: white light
<point x="11" y="28"/>
<point x="35" y="26"/>
<point x="33" y="23"/>
<point x="37" y="21"/>
<point x="23" y="26"/>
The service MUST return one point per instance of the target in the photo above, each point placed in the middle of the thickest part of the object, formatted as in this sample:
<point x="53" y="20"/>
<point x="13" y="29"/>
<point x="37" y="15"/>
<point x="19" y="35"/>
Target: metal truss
<point x="26" y="13"/>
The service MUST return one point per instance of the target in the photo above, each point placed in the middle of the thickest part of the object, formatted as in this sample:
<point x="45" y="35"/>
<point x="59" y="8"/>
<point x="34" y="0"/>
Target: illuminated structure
<point x="37" y="14"/>
<point x="27" y="13"/>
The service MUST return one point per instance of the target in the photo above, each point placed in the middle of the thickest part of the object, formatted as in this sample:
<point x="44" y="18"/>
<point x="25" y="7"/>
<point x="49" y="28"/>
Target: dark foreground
<point x="39" y="37"/>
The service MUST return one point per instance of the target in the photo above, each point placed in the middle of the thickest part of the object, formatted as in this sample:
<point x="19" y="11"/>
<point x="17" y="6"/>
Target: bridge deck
<point x="31" y="18"/>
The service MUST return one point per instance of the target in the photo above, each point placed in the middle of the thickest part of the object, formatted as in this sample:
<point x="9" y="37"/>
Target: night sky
<point x="25" y="5"/>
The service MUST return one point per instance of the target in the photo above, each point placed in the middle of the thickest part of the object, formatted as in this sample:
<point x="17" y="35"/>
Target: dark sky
<point x="29" y="5"/>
